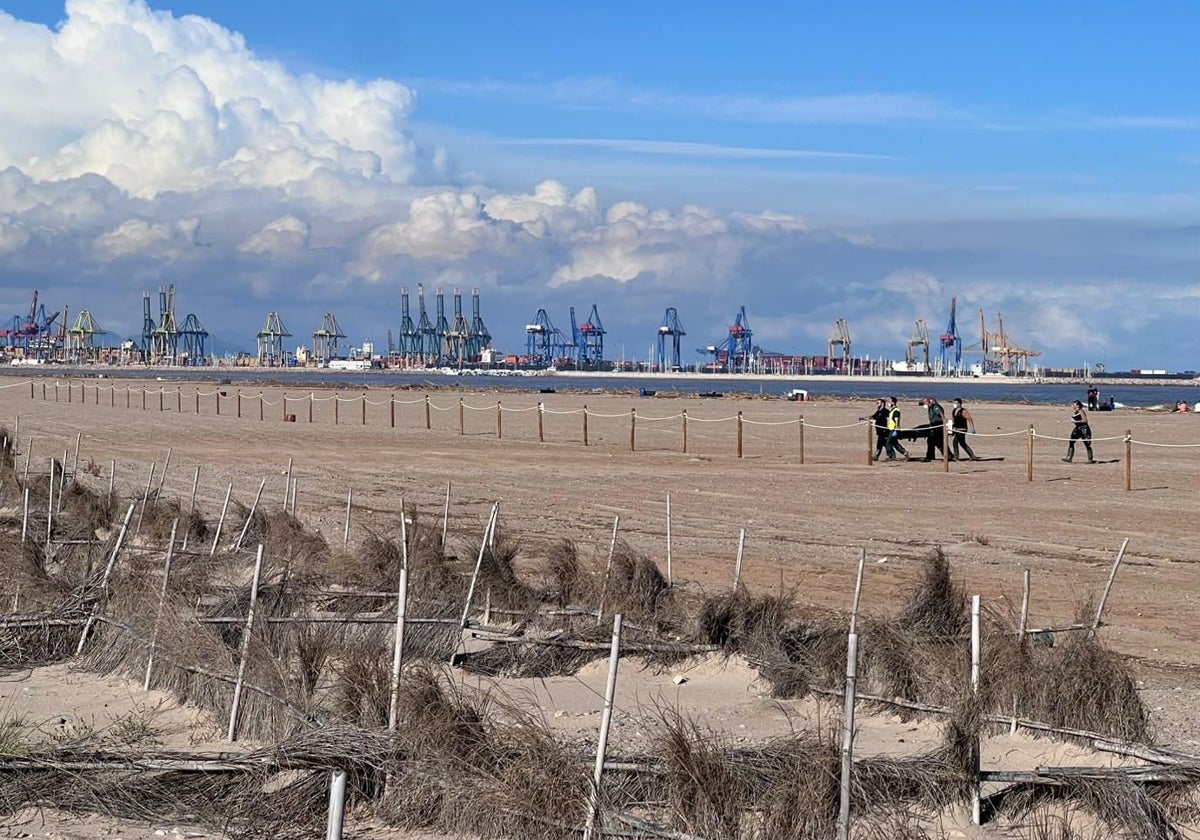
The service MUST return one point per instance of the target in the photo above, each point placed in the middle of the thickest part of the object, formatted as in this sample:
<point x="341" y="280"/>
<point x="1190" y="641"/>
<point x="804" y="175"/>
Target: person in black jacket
<point x="960" y="422"/>
<point x="880" y="421"/>
<point x="1080" y="430"/>
<point x="933" y="429"/>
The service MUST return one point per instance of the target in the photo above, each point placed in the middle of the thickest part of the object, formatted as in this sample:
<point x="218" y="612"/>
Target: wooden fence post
<point x="262" y="406"/>
<point x="1128" y="460"/>
<point x="462" y="425"/>
<point x="160" y="399"/>
<point x="610" y="692"/>
<point x="945" y="447"/>
<point x="632" y="429"/>
<point x="739" y="434"/>
<point x="684" y="413"/>
<point x="143" y="396"/>
<point x="239" y="403"/>
<point x="499" y="421"/>
<point x="428" y="423"/>
<point x="197" y="402"/>
<point x="870" y="443"/>
<point x="585" y="429"/>
<point x="217" y="400"/>
<point x="231" y="734"/>
<point x="336" y="410"/>
<point x="310" y="405"/>
<point x="1112" y="576"/>
<point x="801" y="438"/>
<point x="364" y="409"/>
<point x="1029" y="455"/>
<point x="976" y="800"/>
<point x="179" y="401"/>
<point x="843" y="821"/>
<point x="541" y="410"/>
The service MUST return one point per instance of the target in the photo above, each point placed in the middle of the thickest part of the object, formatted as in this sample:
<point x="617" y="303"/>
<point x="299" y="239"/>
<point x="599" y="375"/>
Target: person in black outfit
<point x="1093" y="397"/>
<point x="960" y="422"/>
<point x="933" y="429"/>
<point x="880" y="421"/>
<point x="1080" y="431"/>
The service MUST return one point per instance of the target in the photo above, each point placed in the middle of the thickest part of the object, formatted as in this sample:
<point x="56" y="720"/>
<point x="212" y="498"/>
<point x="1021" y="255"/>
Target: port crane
<point x="667" y="356"/>
<point x="919" y="338"/>
<point x="951" y="342"/>
<point x="839" y="346"/>
<point x="591" y="351"/>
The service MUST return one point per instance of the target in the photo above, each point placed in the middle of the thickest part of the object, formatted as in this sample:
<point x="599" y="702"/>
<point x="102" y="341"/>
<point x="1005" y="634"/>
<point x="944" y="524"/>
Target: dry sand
<point x="805" y="523"/>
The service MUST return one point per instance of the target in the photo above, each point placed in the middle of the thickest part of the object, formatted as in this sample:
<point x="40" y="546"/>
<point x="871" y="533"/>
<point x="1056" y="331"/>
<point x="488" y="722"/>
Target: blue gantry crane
<point x="951" y="341"/>
<point x="735" y="352"/>
<point x="544" y="342"/>
<point x="591" y="341"/>
<point x="427" y="344"/>
<point x="667" y="356"/>
<point x="410" y="339"/>
<point x="480" y="338"/>
<point x="194" y="338"/>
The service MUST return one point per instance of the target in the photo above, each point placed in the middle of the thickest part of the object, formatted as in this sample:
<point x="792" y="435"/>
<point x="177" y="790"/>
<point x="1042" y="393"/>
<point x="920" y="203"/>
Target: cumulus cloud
<point x="138" y="237"/>
<point x="283" y="237"/>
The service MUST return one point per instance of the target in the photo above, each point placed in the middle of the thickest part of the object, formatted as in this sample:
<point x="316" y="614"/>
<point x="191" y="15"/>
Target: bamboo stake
<point x="670" y="570"/>
<point x="62" y="483"/>
<point x="162" y="479"/>
<point x="495" y="527"/>
<point x="28" y="455"/>
<point x="191" y="508"/>
<point x="337" y="805"/>
<point x="346" y="530"/>
<point x="858" y="582"/>
<point x="737" y="566"/>
<point x="25" y="517"/>
<point x="250" y="516"/>
<point x="295" y="484"/>
<point x="112" y="561"/>
<point x="231" y="735"/>
<point x="612" y="548"/>
<point x="221" y="522"/>
<point x="446" y="515"/>
<point x="112" y="476"/>
<point x="1112" y="576"/>
<point x="75" y="462"/>
<point x="475" y="574"/>
<point x="50" y="509"/>
<point x="976" y="798"/>
<point x="1024" y="606"/>
<point x="162" y="598"/>
<point x="610" y="692"/>
<point x="398" y="648"/>
<point x="843" y="821"/>
<point x="145" y="500"/>
<point x="287" y="484"/>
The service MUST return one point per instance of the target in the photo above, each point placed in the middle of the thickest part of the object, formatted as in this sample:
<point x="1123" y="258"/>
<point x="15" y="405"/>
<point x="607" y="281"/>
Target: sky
<point x="869" y="161"/>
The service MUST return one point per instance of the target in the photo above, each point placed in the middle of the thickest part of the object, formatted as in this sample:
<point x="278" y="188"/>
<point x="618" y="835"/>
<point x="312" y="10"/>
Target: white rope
<point x="808" y="425"/>
<point x="1068" y="440"/>
<point x="990" y="434"/>
<point x="19" y="384"/>
<point x="552" y="411"/>
<point x="708" y="420"/>
<point x="438" y="407"/>
<point x="1165" y="445"/>
<point x="591" y="413"/>
<point x="484" y="408"/>
<point x="770" y="422"/>
<point x="517" y="410"/>
<point x="381" y="402"/>
<point x="659" y="419"/>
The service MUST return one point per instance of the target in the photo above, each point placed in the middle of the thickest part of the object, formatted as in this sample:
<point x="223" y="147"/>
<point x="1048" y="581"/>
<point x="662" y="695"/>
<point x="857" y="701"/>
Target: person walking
<point x="893" y="425"/>
<point x="1080" y="431"/>
<point x="934" y="430"/>
<point x="961" y="422"/>
<point x="879" y="419"/>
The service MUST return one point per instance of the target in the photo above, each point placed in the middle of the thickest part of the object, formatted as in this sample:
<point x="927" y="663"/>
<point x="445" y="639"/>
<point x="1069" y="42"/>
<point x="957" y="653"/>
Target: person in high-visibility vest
<point x="893" y="424"/>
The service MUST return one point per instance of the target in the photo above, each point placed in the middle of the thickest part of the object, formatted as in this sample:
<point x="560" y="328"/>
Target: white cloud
<point x="13" y="234"/>
<point x="138" y="237"/>
<point x="283" y="237"/>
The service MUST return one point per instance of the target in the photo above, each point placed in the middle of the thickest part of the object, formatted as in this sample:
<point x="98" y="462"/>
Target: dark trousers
<point x="933" y="440"/>
<point x="1081" y="432"/>
<point x="881" y="437"/>
<point x="960" y="439"/>
<point x="893" y="444"/>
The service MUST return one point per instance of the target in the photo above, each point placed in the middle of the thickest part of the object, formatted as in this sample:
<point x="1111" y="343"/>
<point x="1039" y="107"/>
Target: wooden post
<point x="75" y="460"/>
<point x="976" y="799"/>
<point x="585" y="429"/>
<point x="843" y="821"/>
<point x="398" y="646"/>
<point x="287" y="485"/>
<point x="25" y="517"/>
<point x="1128" y="460"/>
<point x="283" y="407"/>
<point x="610" y="691"/>
<point x="191" y="507"/>
<point x="801" y="438"/>
<point x="739" y="434"/>
<point x="392" y="408"/>
<point x="112" y="397"/>
<point x="670" y="570"/>
<point x="541" y="410"/>
<point x="162" y="597"/>
<point x="1112" y="576"/>
<point x="446" y="515"/>
<point x="179" y="401"/>
<point x="336" y="401"/>
<point x="310" y="406"/>
<point x="56" y="395"/>
<point x="945" y="447"/>
<point x="632" y="429"/>
<point x="250" y="516"/>
<point x="239" y="403"/>
<point x="364" y="409"/>
<point x="197" y="401"/>
<point x="112" y="561"/>
<point x="870" y="443"/>
<point x="295" y="486"/>
<point x="737" y="566"/>
<point x="44" y="393"/>
<point x="346" y="530"/>
<point x="143" y="396"/>
<point x="858" y="582"/>
<point x="499" y="421"/>
<point x="684" y="413"/>
<point x="221" y="522"/>
<point x="428" y="423"/>
<point x="31" y="389"/>
<point x="145" y="500"/>
<point x="462" y="428"/>
<point x="231" y="735"/>
<point x="1029" y="455"/>
<point x="612" y="548"/>
<point x="1024" y="625"/>
<point x="160" y="399"/>
<point x="261" y="406"/>
<point x="112" y="474"/>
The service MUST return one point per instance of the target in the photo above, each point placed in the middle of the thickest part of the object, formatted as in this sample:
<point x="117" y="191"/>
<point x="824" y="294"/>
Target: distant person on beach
<point x="960" y="422"/>
<point x="1093" y="398"/>
<point x="934" y="429"/>
<point x="893" y="424"/>
<point x="879" y="419"/>
<point x="1080" y="431"/>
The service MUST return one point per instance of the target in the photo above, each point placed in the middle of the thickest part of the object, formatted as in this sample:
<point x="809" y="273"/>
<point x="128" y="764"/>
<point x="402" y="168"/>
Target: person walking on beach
<point x="879" y="420"/>
<point x="960" y="422"/>
<point x="1080" y="431"/>
<point x="934" y="432"/>
<point x="893" y="424"/>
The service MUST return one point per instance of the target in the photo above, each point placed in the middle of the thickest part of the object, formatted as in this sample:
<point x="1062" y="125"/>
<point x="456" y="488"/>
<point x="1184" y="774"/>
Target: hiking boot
<point x="1066" y="460"/>
<point x="1091" y="460"/>
<point x="974" y="457"/>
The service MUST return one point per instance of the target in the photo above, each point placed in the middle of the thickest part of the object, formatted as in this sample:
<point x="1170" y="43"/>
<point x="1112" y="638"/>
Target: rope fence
<point x="220" y="400"/>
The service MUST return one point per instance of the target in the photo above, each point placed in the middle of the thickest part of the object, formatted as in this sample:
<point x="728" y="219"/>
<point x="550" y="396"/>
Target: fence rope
<point x="1068" y="440"/>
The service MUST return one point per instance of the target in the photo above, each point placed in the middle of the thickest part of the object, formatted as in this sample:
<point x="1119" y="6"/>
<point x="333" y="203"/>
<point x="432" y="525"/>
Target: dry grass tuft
<point x="937" y="607"/>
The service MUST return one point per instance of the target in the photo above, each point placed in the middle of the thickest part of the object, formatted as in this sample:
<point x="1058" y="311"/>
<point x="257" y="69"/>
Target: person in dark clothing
<point x="1080" y="431"/>
<point x="933" y="429"/>
<point x="893" y="424"/>
<point x="880" y="421"/>
<point x="1093" y="398"/>
<point x="960" y="422"/>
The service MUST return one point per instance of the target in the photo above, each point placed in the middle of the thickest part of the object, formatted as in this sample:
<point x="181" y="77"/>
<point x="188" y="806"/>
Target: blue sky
<point x="864" y="161"/>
